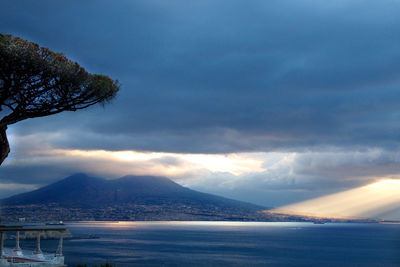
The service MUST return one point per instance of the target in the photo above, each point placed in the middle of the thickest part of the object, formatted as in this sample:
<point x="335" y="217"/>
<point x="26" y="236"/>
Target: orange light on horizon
<point x="152" y="162"/>
<point x="369" y="201"/>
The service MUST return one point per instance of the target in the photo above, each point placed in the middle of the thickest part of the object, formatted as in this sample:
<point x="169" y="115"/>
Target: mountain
<point x="81" y="197"/>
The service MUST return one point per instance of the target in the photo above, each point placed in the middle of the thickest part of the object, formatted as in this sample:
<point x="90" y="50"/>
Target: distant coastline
<point x="138" y="198"/>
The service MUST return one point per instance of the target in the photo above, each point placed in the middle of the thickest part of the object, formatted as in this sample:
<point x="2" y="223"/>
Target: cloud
<point x="377" y="200"/>
<point x="293" y="177"/>
<point x="305" y="93"/>
<point x="265" y="178"/>
<point x="225" y="77"/>
<point x="33" y="155"/>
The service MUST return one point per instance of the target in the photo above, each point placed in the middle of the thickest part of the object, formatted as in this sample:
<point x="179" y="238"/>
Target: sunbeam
<point x="370" y="201"/>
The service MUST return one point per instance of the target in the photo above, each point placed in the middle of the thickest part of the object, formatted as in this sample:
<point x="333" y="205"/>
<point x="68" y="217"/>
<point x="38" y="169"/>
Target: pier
<point x="10" y="257"/>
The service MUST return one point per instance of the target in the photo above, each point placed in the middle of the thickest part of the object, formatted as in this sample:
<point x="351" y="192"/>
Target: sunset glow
<point x="373" y="200"/>
<point x="191" y="133"/>
<point x="168" y="163"/>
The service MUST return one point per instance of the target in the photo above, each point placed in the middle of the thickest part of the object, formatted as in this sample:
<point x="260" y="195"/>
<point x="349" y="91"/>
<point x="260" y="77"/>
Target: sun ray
<point x="367" y="201"/>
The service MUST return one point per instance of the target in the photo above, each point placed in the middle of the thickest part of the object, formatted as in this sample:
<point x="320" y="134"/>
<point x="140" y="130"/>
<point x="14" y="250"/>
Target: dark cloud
<point x="220" y="77"/>
<point x="276" y="75"/>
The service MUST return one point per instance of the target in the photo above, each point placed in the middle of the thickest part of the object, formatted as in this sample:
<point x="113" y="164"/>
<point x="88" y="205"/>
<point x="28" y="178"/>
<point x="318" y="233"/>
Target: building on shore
<point x="13" y="257"/>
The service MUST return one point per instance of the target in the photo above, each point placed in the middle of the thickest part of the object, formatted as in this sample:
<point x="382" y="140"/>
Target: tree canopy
<point x="37" y="82"/>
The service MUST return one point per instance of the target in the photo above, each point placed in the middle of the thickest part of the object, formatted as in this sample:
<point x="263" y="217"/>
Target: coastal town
<point x="141" y="212"/>
<point x="125" y="212"/>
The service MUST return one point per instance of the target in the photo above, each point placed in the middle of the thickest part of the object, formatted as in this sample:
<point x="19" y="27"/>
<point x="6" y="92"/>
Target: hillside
<point x="81" y="197"/>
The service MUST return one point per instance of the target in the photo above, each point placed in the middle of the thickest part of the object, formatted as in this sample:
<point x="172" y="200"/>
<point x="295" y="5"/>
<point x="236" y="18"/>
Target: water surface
<point x="232" y="244"/>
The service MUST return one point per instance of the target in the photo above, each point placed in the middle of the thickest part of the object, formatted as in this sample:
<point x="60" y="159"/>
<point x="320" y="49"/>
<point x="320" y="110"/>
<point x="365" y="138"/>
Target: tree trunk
<point x="4" y="146"/>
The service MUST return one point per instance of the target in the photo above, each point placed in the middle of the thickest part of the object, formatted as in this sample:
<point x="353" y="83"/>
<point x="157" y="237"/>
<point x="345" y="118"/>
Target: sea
<point x="230" y="244"/>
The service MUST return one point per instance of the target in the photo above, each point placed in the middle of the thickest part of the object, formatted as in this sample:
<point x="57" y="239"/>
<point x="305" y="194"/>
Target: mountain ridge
<point x="143" y="197"/>
<point x="81" y="187"/>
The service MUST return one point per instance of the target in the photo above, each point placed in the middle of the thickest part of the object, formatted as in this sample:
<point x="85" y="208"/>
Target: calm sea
<point x="232" y="244"/>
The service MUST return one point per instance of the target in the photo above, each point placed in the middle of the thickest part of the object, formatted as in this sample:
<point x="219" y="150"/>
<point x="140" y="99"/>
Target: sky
<point x="376" y="200"/>
<point x="271" y="102"/>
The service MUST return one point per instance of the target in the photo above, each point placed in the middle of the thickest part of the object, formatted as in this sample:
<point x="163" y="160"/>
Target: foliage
<point x="37" y="82"/>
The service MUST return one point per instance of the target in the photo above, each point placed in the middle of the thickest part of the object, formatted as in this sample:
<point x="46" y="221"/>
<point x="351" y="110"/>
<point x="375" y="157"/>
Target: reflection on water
<point x="178" y="224"/>
<point x="233" y="244"/>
